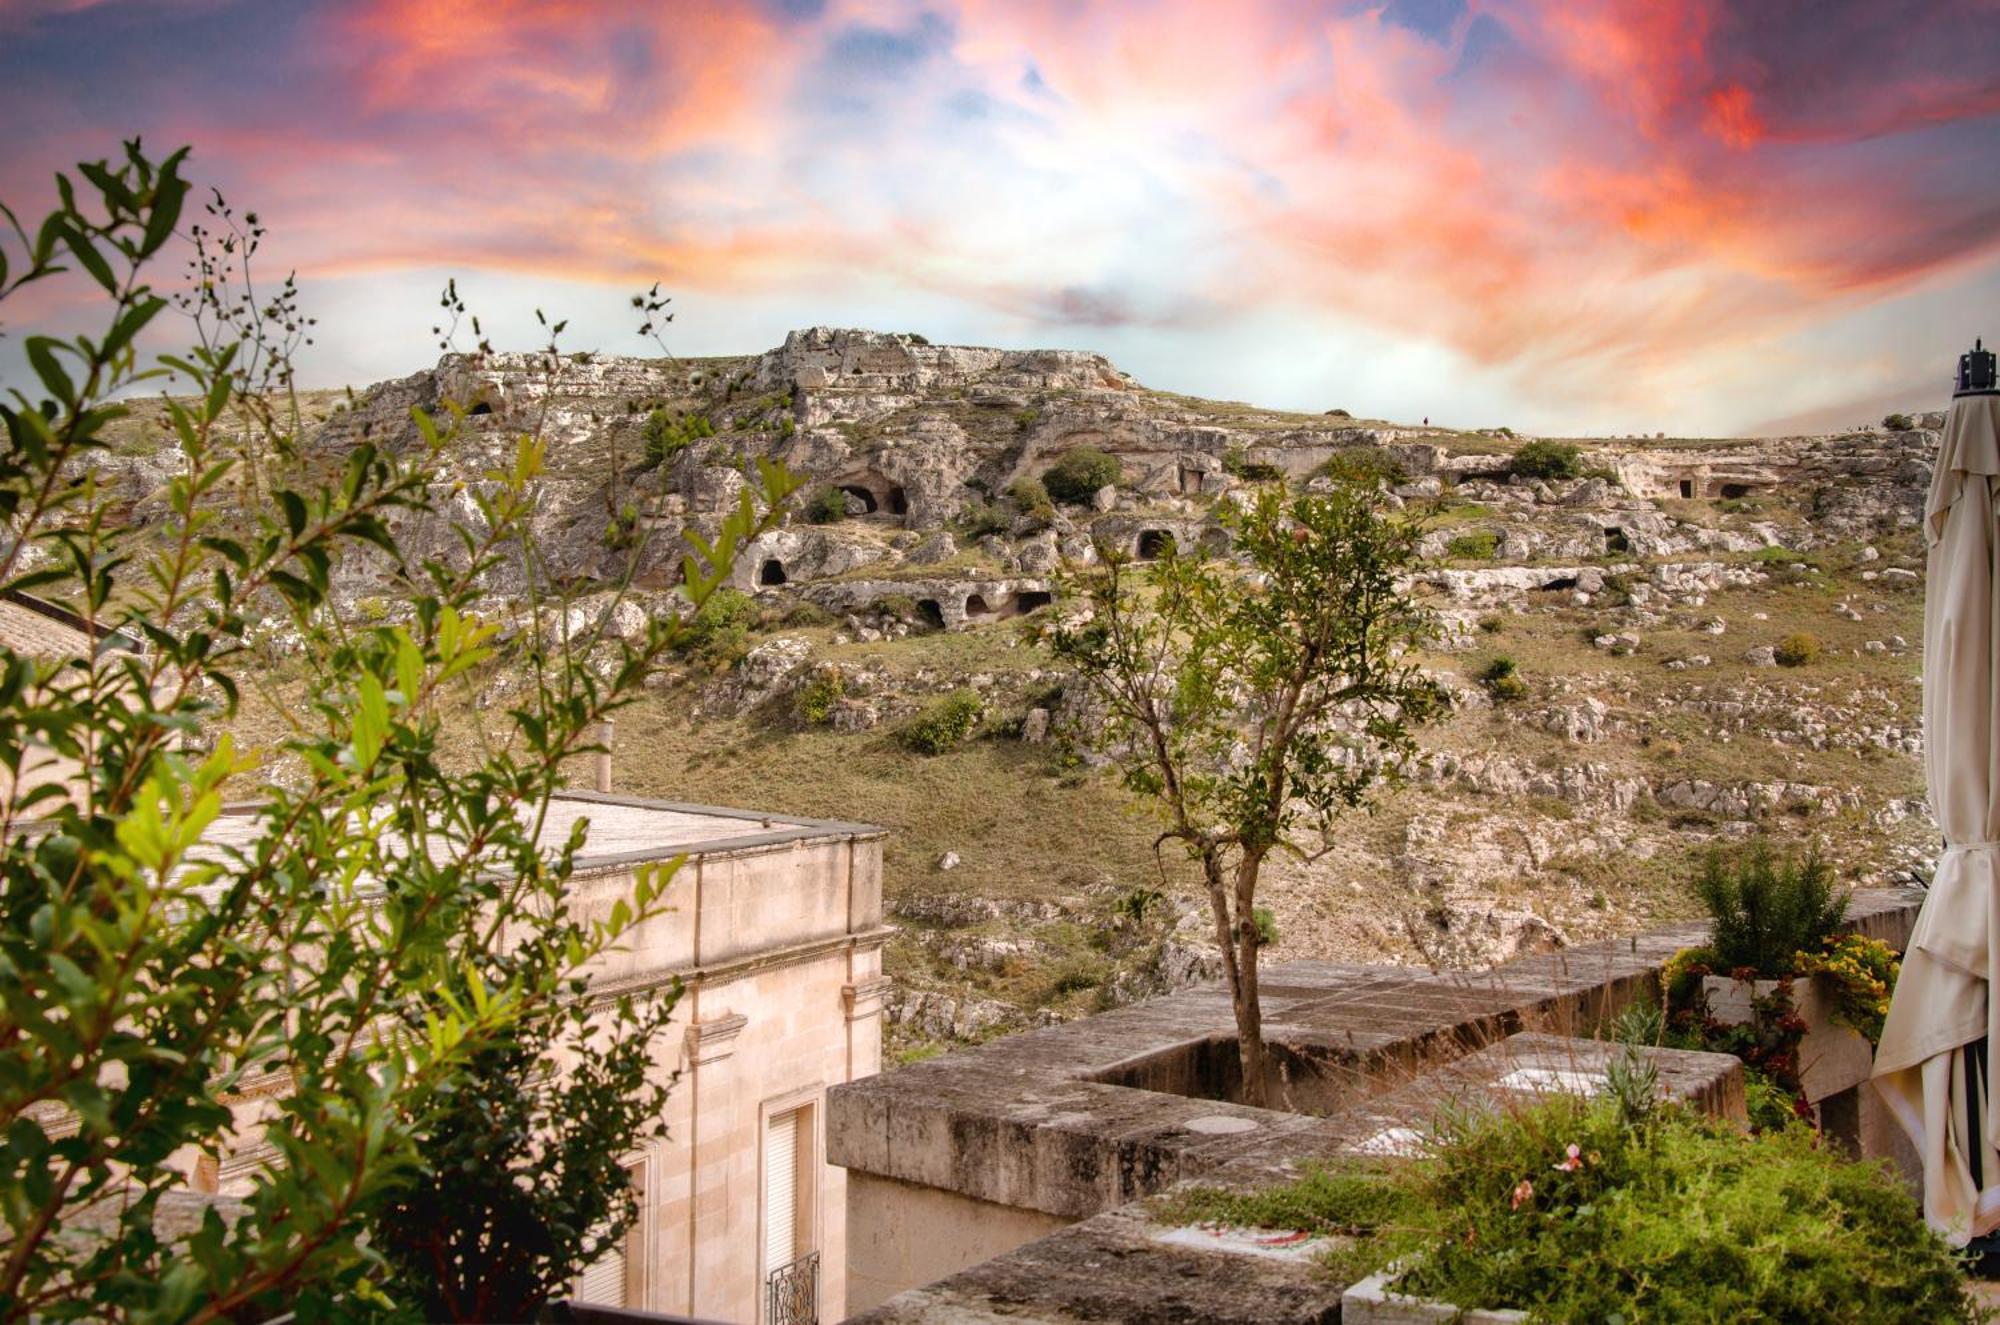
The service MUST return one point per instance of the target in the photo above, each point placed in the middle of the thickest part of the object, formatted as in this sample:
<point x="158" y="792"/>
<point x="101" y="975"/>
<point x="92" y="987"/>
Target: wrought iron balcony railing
<point x="791" y="1292"/>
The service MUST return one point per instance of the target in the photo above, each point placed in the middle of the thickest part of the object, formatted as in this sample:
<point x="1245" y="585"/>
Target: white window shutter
<point x="603" y="1284"/>
<point x="781" y="1175"/>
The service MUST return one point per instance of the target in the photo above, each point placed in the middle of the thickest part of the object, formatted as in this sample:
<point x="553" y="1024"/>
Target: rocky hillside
<point x="1689" y="642"/>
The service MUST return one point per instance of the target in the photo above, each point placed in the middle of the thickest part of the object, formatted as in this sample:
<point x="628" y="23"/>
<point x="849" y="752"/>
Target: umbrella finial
<point x="1976" y="372"/>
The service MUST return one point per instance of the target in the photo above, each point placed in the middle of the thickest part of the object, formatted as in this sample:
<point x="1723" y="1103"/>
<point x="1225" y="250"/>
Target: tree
<point x="1253" y="701"/>
<point x="385" y="935"/>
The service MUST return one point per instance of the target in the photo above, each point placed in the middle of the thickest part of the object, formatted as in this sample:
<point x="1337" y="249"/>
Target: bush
<point x="944" y="723"/>
<point x="814" y="703"/>
<point x="827" y="506"/>
<point x="1370" y="466"/>
<point x="1266" y="921"/>
<point x="1503" y="680"/>
<point x="668" y="435"/>
<point x="1778" y="556"/>
<point x="980" y="519"/>
<point x="1032" y="498"/>
<point x="1076" y="477"/>
<point x="1796" y="650"/>
<point x="1476" y="546"/>
<point x="1492" y="625"/>
<point x="1897" y="422"/>
<point x="1546" y="460"/>
<point x="1767" y="911"/>
<point x="1236" y="461"/>
<point x="1572" y="1210"/>
<point x="718" y="632"/>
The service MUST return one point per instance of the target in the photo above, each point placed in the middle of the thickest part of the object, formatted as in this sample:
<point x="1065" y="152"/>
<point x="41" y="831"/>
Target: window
<point x="616" y="1278"/>
<point x="791" y="1267"/>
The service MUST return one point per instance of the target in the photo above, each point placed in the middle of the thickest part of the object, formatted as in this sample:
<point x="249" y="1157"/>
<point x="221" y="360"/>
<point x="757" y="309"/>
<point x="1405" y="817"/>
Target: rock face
<point x="1637" y="605"/>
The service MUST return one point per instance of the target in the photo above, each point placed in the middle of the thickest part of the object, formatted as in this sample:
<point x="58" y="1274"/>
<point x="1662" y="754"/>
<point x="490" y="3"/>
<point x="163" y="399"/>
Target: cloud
<point x="1592" y="207"/>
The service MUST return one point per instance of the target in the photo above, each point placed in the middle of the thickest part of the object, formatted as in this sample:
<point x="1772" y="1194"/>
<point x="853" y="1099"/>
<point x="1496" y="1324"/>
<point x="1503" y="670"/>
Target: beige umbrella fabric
<point x="1931" y="1065"/>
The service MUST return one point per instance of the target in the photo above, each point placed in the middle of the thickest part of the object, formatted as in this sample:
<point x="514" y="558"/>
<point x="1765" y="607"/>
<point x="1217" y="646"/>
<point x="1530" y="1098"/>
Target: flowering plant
<point x="1864" y="970"/>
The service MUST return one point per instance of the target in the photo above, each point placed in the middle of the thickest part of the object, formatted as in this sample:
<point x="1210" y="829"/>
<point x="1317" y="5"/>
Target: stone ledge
<point x="1073" y="1119"/>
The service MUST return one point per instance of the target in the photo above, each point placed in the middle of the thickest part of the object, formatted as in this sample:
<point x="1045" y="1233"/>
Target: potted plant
<point x="1778" y="984"/>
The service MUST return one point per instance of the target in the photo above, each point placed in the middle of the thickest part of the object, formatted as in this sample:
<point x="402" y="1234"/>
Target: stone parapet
<point x="1079" y="1121"/>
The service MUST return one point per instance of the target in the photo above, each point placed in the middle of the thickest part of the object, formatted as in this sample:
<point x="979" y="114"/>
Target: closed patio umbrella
<point x="1931" y="1067"/>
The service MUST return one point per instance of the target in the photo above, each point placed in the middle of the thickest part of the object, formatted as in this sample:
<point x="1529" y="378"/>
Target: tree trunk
<point x="1243" y="989"/>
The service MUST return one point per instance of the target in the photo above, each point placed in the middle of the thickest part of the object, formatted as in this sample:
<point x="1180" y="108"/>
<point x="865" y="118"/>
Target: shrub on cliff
<point x="944" y="724"/>
<point x="1373" y="465"/>
<point x="667" y="435"/>
<point x="1077" y="475"/>
<point x="827" y="506"/>
<point x="1898" y="423"/>
<point x="1548" y="460"/>
<point x="1031" y="497"/>
<point x="1796" y="650"/>
<point x="1480" y="545"/>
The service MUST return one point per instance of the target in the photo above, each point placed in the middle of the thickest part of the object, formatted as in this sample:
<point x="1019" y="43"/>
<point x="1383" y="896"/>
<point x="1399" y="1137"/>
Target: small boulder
<point x="1035" y="727"/>
<point x="1104" y="499"/>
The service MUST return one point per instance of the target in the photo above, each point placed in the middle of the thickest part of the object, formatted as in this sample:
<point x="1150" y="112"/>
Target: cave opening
<point x="772" y="572"/>
<point x="1616" y="541"/>
<point x="932" y="614"/>
<point x="1029" y="600"/>
<point x="1154" y="544"/>
<point x="862" y="495"/>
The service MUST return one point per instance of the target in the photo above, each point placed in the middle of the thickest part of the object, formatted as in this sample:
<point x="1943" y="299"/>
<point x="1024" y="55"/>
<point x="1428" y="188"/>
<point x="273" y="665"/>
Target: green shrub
<point x="1571" y="1210"/>
<point x="1796" y="650"/>
<point x="1503" y="680"/>
<point x="1032" y="497"/>
<point x="1479" y="545"/>
<point x="944" y="723"/>
<point x="1767" y="910"/>
<point x="803" y="614"/>
<point x="980" y="519"/>
<point x="1077" y="475"/>
<point x="827" y="506"/>
<point x="718" y="633"/>
<point x="1546" y="459"/>
<point x="668" y="435"/>
<point x="1236" y="460"/>
<point x="1897" y="422"/>
<point x="814" y="703"/>
<point x="1027" y="419"/>
<point x="1492" y="625"/>
<point x="1778" y="556"/>
<point x="1266" y="921"/>
<point x="1366" y="465"/>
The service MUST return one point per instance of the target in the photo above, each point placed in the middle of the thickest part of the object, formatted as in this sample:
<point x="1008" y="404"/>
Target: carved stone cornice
<point x="714" y="1040"/>
<point x="864" y="998"/>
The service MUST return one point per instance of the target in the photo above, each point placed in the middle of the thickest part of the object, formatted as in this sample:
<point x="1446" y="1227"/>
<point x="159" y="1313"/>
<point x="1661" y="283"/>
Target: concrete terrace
<point x="1024" y="1161"/>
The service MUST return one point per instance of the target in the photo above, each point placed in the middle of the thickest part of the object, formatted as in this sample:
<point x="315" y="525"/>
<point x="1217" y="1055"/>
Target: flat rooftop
<point x="624" y="830"/>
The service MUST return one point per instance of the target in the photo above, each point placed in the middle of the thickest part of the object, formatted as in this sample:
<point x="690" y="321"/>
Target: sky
<point x="1567" y="216"/>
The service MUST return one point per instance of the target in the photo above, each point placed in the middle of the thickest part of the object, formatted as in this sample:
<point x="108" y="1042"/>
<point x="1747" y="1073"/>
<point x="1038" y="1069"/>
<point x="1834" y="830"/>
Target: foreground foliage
<point x="381" y="948"/>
